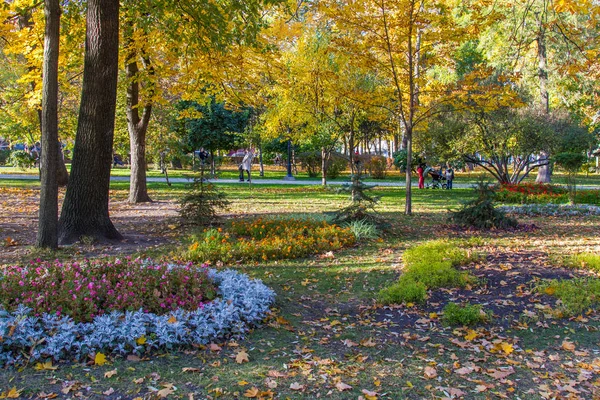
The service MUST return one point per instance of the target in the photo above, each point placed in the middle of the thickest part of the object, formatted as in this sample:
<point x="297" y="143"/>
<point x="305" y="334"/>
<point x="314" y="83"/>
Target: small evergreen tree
<point x="362" y="206"/>
<point x="480" y="212"/>
<point x="201" y="204"/>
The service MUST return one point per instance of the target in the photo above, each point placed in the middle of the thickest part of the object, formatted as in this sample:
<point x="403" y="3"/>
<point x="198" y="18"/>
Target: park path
<point x="267" y="181"/>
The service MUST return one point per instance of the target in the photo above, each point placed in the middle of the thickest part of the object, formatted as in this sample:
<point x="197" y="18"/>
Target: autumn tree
<point x="406" y="44"/>
<point x="85" y="208"/>
<point x="47" y="235"/>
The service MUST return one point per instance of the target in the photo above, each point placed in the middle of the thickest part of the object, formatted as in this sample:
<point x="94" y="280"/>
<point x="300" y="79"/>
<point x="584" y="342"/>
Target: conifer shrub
<point x="203" y="201"/>
<point x="480" y="212"/>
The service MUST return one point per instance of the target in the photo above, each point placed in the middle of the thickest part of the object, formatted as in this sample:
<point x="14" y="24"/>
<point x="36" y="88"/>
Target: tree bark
<point x="137" y="127"/>
<point x="85" y="209"/>
<point x="47" y="235"/>
<point x="324" y="164"/>
<point x="544" y="172"/>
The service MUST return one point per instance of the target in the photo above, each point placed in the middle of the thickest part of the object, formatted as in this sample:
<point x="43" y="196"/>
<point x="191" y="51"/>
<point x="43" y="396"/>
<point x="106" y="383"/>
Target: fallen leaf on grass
<point x="507" y="348"/>
<point x="276" y="374"/>
<point x="99" y="359"/>
<point x="241" y="357"/>
<point x="43" y="395"/>
<point x="464" y="370"/>
<point x="167" y="391"/>
<point x="252" y="393"/>
<point x="430" y="372"/>
<point x="133" y="357"/>
<point x="470" y="335"/>
<point x="214" y="347"/>
<point x="341" y="386"/>
<point x="369" y="395"/>
<point x="110" y="374"/>
<point x="190" y="369"/>
<point x="566" y="345"/>
<point x="13" y="393"/>
<point x="349" y="343"/>
<point x="47" y="366"/>
<point x="368" y="343"/>
<point x="109" y="392"/>
<point x="296" y="386"/>
<point x="138" y="381"/>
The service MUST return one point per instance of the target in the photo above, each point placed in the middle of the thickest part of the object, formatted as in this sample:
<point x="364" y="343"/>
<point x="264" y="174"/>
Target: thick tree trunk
<point x="47" y="235"/>
<point x="85" y="209"/>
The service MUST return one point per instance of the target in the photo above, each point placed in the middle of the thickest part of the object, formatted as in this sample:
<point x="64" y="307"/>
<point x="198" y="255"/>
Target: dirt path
<point x="144" y="226"/>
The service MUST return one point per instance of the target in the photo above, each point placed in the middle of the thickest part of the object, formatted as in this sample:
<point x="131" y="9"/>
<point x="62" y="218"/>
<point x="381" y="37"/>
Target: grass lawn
<point x="328" y="338"/>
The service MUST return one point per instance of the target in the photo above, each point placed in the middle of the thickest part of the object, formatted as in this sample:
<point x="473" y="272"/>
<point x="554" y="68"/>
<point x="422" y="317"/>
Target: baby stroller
<point x="438" y="179"/>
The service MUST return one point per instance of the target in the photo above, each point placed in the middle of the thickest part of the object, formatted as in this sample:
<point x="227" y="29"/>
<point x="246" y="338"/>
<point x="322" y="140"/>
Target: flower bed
<point x="269" y="239"/>
<point x="554" y="210"/>
<point x="91" y="288"/>
<point x="242" y="302"/>
<point x="539" y="193"/>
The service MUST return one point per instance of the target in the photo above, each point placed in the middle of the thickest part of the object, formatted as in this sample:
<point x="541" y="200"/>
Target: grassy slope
<point x="326" y="302"/>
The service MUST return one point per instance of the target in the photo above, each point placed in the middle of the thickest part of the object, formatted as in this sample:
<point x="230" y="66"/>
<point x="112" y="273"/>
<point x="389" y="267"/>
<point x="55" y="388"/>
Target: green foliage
<point x="464" y="315"/>
<point x="571" y="162"/>
<point x="480" y="212"/>
<point x="263" y="239"/>
<point x="201" y="204"/>
<point x="430" y="265"/>
<point x="404" y="291"/>
<point x="336" y="165"/>
<point x="400" y="159"/>
<point x="363" y="229"/>
<point x="587" y="261"/>
<point x="576" y="295"/>
<point x="21" y="159"/>
<point x="4" y="155"/>
<point x="310" y="161"/>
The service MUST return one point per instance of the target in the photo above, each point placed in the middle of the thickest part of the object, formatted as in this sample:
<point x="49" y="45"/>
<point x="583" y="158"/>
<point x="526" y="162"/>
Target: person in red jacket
<point x="421" y="177"/>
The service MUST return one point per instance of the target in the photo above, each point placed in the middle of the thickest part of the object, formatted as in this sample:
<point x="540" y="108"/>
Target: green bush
<point x="310" y="161"/>
<point x="432" y="266"/>
<point x="588" y="261"/>
<point x="480" y="212"/>
<point x="21" y="159"/>
<point x="464" y="315"/>
<point x="403" y="291"/>
<point x="576" y="295"/>
<point x="337" y="165"/>
<point x="4" y="154"/>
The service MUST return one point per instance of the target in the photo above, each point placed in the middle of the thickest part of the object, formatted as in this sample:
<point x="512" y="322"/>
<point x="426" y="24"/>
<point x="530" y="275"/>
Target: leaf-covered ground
<point x="327" y="338"/>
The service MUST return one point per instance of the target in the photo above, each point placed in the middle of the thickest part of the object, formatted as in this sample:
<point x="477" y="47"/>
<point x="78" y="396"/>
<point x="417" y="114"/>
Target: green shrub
<point x="586" y="261"/>
<point x="480" y="212"/>
<point x="464" y="315"/>
<point x="21" y="159"/>
<point x="310" y="161"/>
<point x="576" y="295"/>
<point x="362" y="206"/>
<point x="432" y="266"/>
<point x="4" y="154"/>
<point x="403" y="291"/>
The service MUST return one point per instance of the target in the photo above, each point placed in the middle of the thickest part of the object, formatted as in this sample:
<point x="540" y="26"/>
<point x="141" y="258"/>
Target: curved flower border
<point x="552" y="209"/>
<point x="244" y="302"/>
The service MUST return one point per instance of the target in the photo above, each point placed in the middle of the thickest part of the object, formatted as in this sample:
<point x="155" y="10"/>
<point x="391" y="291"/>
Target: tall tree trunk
<point x="544" y="172"/>
<point x="85" y="209"/>
<point x="137" y="127"/>
<point x="47" y="235"/>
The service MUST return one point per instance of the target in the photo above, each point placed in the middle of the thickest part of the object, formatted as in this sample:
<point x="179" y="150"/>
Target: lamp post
<point x="289" y="176"/>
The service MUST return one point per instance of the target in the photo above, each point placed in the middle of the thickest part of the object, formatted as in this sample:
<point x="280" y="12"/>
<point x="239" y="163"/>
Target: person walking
<point x="449" y="177"/>
<point x="246" y="165"/>
<point x="420" y="171"/>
